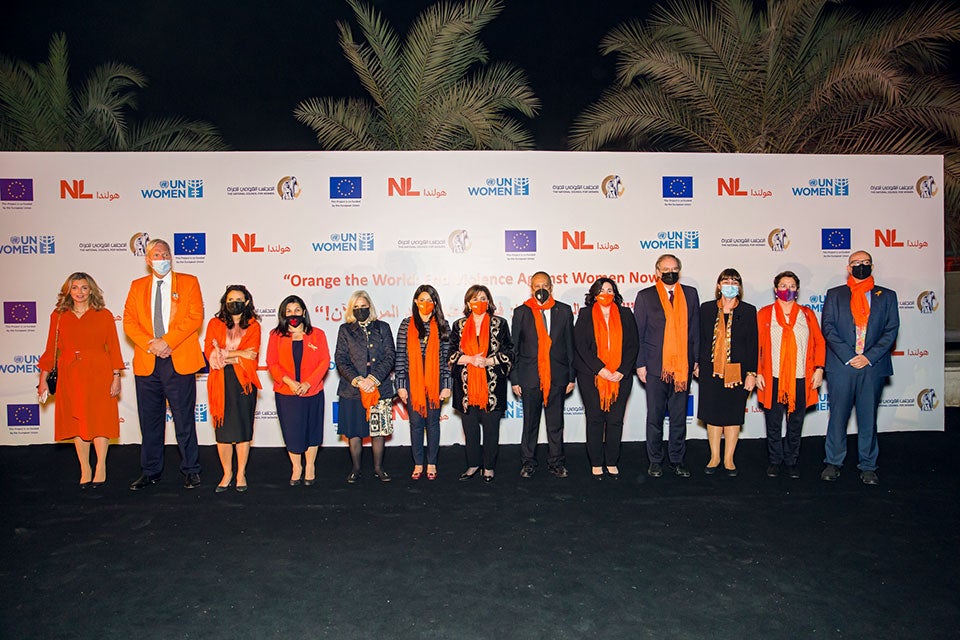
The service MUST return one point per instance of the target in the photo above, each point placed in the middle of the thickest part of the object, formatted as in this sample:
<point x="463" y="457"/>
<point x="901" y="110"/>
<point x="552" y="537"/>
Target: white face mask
<point x="162" y="267"/>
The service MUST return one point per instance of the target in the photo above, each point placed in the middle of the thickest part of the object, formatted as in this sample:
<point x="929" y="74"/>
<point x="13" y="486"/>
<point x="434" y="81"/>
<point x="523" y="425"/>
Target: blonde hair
<point x="65" y="302"/>
<point x="356" y="295"/>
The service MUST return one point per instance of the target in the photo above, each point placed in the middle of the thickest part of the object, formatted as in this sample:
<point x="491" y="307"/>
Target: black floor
<point x="705" y="557"/>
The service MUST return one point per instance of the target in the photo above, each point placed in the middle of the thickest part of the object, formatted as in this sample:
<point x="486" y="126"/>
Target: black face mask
<point x="235" y="308"/>
<point x="670" y="277"/>
<point x="294" y="321"/>
<point x="861" y="271"/>
<point x="542" y="295"/>
<point x="362" y="314"/>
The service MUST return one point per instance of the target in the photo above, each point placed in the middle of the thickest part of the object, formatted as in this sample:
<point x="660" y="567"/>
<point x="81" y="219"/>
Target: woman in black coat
<point x="728" y="366"/>
<point x="365" y="356"/>
<point x="605" y="371"/>
<point x="481" y="356"/>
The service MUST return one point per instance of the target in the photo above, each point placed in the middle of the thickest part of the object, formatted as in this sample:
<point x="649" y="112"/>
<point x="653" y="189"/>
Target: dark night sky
<point x="244" y="66"/>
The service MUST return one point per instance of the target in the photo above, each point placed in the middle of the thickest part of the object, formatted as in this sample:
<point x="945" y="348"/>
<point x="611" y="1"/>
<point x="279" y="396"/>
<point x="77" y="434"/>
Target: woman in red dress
<point x="82" y="343"/>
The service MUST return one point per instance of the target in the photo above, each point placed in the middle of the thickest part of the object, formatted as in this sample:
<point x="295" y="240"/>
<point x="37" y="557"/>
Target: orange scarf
<point x="424" y="368"/>
<point x="472" y="344"/>
<point x="676" y="365"/>
<point x="609" y="350"/>
<point x="245" y="369"/>
<point x="722" y="368"/>
<point x="543" y="344"/>
<point x="858" y="300"/>
<point x="369" y="399"/>
<point x="787" y="390"/>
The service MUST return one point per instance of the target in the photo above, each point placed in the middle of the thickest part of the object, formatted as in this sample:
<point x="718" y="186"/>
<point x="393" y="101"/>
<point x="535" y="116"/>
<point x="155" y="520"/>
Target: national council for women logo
<point x="612" y="187"/>
<point x="459" y="241"/>
<point x="927" y="400"/>
<point x="927" y="187"/>
<point x="927" y="302"/>
<point x="138" y="243"/>
<point x="288" y="188"/>
<point x="778" y="240"/>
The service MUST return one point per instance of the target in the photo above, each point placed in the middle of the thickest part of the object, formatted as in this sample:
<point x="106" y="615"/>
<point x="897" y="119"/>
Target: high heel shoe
<point x="469" y="476"/>
<point x="488" y="478"/>
<point x="416" y="473"/>
<point x="613" y="475"/>
<point x="432" y="475"/>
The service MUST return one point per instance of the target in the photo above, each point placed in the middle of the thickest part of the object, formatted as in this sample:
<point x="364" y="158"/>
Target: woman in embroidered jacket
<point x="232" y="347"/>
<point x="480" y="359"/>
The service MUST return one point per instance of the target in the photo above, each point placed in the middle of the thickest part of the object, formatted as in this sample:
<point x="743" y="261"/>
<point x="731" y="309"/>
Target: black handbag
<point x="52" y="376"/>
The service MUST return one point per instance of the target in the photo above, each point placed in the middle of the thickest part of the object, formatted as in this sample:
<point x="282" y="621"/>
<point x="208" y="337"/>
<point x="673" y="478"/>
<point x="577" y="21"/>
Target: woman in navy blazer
<point x="298" y="358"/>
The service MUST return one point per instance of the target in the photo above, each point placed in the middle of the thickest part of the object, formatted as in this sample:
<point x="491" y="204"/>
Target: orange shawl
<point x="787" y="390"/>
<point x="609" y="350"/>
<point x="543" y="343"/>
<point x="858" y="300"/>
<point x="245" y="369"/>
<point x="472" y="344"/>
<point x="722" y="334"/>
<point x="676" y="365"/>
<point x="424" y="368"/>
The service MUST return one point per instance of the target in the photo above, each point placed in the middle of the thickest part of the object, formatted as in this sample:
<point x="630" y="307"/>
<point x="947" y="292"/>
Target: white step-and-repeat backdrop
<point x="324" y="224"/>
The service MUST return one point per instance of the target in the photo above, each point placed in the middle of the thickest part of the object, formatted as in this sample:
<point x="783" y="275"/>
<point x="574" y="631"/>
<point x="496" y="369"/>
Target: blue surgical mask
<point x="729" y="290"/>
<point x="162" y="267"/>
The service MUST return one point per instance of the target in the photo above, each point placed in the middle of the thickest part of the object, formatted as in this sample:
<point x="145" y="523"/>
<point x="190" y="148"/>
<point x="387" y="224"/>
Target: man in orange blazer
<point x="162" y="317"/>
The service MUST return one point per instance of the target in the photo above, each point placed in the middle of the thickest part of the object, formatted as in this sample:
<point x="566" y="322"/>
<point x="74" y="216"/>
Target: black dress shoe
<point x="680" y="470"/>
<point x="655" y="470"/>
<point x="559" y="471"/>
<point x="97" y="485"/>
<point x="612" y="475"/>
<point x="731" y="472"/>
<point x="382" y="476"/>
<point x="144" y="481"/>
<point x="353" y="477"/>
<point x="85" y="485"/>
<point x="527" y="471"/>
<point x="830" y="473"/>
<point x="487" y="478"/>
<point x="793" y="471"/>
<point x="710" y="470"/>
<point x="869" y="477"/>
<point x="773" y="470"/>
<point x="597" y="476"/>
<point x="192" y="481"/>
<point x="296" y="483"/>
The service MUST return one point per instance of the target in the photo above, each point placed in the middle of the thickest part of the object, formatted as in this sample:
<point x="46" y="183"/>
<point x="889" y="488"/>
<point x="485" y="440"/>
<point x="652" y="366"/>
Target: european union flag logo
<point x="346" y="187"/>
<point x="190" y="244"/>
<point x="20" y="312"/>
<point x="16" y="189"/>
<point x="838" y="239"/>
<point x="677" y="186"/>
<point x="520" y="241"/>
<point x="23" y="415"/>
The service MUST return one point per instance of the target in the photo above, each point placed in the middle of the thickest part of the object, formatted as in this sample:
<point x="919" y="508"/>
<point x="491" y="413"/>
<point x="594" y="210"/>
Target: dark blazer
<point x="841" y="334"/>
<point x="361" y="352"/>
<point x="585" y="342"/>
<point x="401" y="367"/>
<point x="501" y="349"/>
<point x="651" y="321"/>
<point x="525" y="343"/>
<point x="743" y="337"/>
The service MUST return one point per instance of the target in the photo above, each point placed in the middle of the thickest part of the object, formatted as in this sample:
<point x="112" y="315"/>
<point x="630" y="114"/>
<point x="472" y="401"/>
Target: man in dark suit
<point x="542" y="368"/>
<point x="860" y="324"/>
<point x="668" y="326"/>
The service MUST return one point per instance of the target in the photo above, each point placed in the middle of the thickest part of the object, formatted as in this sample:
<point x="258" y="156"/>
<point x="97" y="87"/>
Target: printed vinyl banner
<point x="324" y="224"/>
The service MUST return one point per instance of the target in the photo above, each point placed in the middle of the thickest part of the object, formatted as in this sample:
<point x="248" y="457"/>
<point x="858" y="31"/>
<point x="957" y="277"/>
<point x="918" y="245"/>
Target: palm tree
<point x="40" y="112"/>
<point x="797" y="76"/>
<point x="435" y="90"/>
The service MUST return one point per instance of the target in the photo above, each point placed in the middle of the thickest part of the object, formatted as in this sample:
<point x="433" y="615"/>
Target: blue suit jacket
<point x="648" y="313"/>
<point x="840" y="332"/>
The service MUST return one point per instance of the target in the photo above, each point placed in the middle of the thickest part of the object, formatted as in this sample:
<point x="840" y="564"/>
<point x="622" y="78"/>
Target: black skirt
<point x="238" y="410"/>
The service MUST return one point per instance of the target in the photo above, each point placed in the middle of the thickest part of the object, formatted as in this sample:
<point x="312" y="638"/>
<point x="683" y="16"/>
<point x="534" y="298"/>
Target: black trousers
<point x="153" y="393"/>
<point x="785" y="449"/>
<point x="532" y="401"/>
<point x="663" y="398"/>
<point x="472" y="421"/>
<point x="604" y="428"/>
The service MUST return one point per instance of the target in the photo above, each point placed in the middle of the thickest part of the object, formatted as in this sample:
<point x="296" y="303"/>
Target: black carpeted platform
<point x="706" y="557"/>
